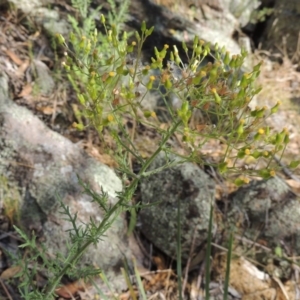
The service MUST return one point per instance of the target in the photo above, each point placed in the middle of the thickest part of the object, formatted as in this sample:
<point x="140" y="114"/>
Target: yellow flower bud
<point x="261" y="131"/>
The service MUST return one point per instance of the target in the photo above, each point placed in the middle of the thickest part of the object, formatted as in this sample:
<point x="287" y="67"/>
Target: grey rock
<point x="271" y="205"/>
<point x="49" y="19"/>
<point x="44" y="80"/>
<point x="188" y="185"/>
<point x="242" y="10"/>
<point x="42" y="167"/>
<point x="3" y="85"/>
<point x="26" y="6"/>
<point x="282" y="31"/>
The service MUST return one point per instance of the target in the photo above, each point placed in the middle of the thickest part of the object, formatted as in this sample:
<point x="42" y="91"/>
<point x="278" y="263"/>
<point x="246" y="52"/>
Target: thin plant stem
<point x="227" y="275"/>
<point x="208" y="252"/>
<point x="139" y="281"/>
<point x="179" y="264"/>
<point x="101" y="228"/>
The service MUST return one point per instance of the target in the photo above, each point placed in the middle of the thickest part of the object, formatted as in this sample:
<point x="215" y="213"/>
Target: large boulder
<point x="185" y="185"/>
<point x="41" y="168"/>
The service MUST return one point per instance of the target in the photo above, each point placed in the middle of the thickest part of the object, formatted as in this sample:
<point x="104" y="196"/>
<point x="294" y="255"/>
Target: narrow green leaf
<point x="228" y="262"/>
<point x="294" y="164"/>
<point x="208" y="252"/>
<point x="139" y="281"/>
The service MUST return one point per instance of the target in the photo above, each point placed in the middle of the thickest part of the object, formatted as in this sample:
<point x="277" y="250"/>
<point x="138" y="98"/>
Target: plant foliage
<point x="110" y="89"/>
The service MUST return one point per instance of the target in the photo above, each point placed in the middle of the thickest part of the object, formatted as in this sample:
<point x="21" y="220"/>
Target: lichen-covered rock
<point x="282" y="30"/>
<point x="270" y="208"/>
<point x="41" y="167"/>
<point x="44" y="81"/>
<point x="49" y="19"/>
<point x="242" y="10"/>
<point x="185" y="184"/>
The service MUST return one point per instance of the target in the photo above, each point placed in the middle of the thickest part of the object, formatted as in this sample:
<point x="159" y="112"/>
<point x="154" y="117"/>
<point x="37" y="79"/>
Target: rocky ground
<point x="41" y="153"/>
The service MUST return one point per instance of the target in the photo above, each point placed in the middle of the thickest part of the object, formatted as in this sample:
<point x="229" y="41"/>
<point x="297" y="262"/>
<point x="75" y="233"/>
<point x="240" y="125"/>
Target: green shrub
<point x="109" y="89"/>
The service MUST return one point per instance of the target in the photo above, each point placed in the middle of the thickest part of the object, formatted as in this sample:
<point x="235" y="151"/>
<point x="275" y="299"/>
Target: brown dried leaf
<point x="10" y="272"/>
<point x="200" y="127"/>
<point x="125" y="296"/>
<point x="46" y="110"/>
<point x="247" y="279"/>
<point x="26" y="91"/>
<point x="14" y="57"/>
<point x="69" y="290"/>
<point x="160" y="262"/>
<point x="22" y="68"/>
<point x="295" y="185"/>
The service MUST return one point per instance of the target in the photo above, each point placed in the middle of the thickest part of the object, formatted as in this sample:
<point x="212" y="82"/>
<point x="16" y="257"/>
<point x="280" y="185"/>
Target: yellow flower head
<point x="261" y="131"/>
<point x="110" y="118"/>
<point x="247" y="151"/>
